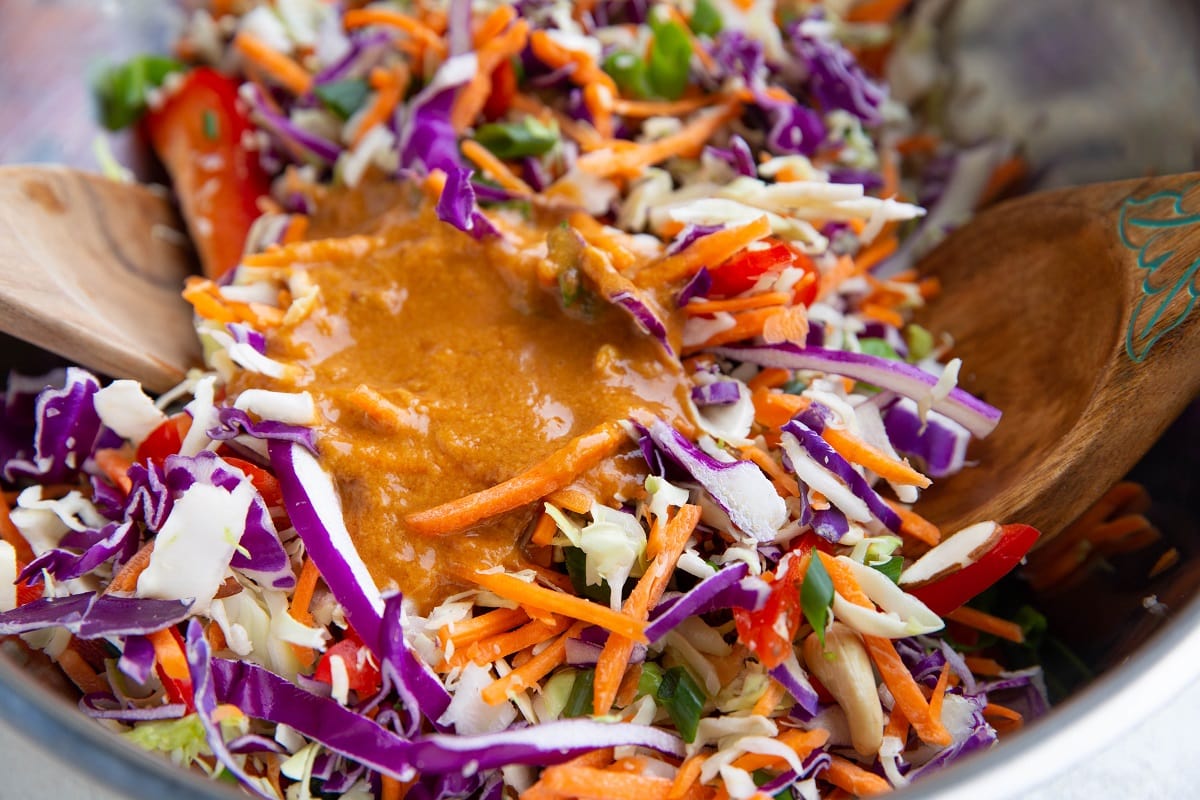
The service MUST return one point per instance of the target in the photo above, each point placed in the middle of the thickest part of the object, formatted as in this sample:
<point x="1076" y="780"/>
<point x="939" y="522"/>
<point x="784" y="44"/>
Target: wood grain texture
<point x="1049" y="299"/>
<point x="91" y="270"/>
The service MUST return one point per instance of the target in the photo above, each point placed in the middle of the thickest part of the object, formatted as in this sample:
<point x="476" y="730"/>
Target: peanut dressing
<point x="440" y="368"/>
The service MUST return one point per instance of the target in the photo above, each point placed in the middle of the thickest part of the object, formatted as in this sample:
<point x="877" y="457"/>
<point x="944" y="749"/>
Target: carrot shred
<point x="897" y="725"/>
<point x="533" y="596"/>
<point x="688" y="774"/>
<point x="854" y="779"/>
<point x="880" y="313"/>
<point x="896" y="676"/>
<point x="543" y="532"/>
<point x="494" y="24"/>
<point x="914" y="525"/>
<point x="982" y="621"/>
<point x="348" y="248"/>
<point x="773" y="409"/>
<point x="764" y="705"/>
<point x="708" y="250"/>
<point x="630" y="160"/>
<point x="126" y="579"/>
<point x="859" y="452"/>
<point x="877" y="10"/>
<point x="10" y="534"/>
<point x="80" y="672"/>
<point x="700" y="307"/>
<point x="532" y="670"/>
<point x="614" y="658"/>
<point x="556" y="56"/>
<point x="801" y="741"/>
<point x="468" y="631"/>
<point x="628" y="689"/>
<point x="576" y="500"/>
<point x="417" y="30"/>
<point x="786" y="484"/>
<point x="553" y="473"/>
<point x="169" y="654"/>
<point x="283" y="69"/>
<point x="769" y="378"/>
<point x="1004" y="178"/>
<point x="660" y="108"/>
<point x="985" y="667"/>
<point x="616" y="243"/>
<point x="939" y="692"/>
<point x="473" y="97"/>
<point x="747" y="325"/>
<point x="389" y="86"/>
<point x="488" y="650"/>
<point x="494" y="168"/>
<point x="589" y="782"/>
<point x="115" y="465"/>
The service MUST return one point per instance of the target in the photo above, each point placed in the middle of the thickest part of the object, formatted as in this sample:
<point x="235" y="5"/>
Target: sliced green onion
<point x="878" y="348"/>
<point x="508" y="140"/>
<point x="344" y="97"/>
<point x="683" y="699"/>
<point x="649" y="680"/>
<point x="706" y="20"/>
<point x="919" y="341"/>
<point x="579" y="702"/>
<point x="629" y="72"/>
<point x="892" y="568"/>
<point x="121" y="90"/>
<point x="816" y="596"/>
<point x="669" y="62"/>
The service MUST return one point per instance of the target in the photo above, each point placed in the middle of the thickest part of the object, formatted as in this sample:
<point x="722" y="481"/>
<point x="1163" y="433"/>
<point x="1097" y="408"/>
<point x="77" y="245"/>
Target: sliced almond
<point x="957" y="551"/>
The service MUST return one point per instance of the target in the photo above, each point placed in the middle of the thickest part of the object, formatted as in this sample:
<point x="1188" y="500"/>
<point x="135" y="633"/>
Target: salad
<point x="561" y="423"/>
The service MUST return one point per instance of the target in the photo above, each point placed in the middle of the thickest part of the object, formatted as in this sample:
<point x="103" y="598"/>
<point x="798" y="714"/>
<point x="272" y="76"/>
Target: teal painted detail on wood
<point x="1171" y="283"/>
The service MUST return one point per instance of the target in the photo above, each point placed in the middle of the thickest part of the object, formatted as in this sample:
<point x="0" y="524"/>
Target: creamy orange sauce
<point x="441" y="368"/>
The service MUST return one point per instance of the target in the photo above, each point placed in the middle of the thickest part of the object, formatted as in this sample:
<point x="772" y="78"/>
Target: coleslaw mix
<point x="764" y="616"/>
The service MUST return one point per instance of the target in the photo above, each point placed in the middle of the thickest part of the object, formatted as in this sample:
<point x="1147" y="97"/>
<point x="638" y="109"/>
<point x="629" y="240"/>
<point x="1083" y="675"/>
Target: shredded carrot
<point x="614" y="658"/>
<point x="209" y="302"/>
<point x="982" y="621"/>
<point x="688" y="774"/>
<point x="126" y="579"/>
<point x="661" y="108"/>
<point x="283" y="69"/>
<point x="473" y="97"/>
<point x="769" y="378"/>
<point x="420" y="32"/>
<point x="616" y="243"/>
<point x="879" y="313"/>
<point x="874" y="253"/>
<point x="169" y="654"/>
<point x="630" y="160"/>
<point x="598" y="98"/>
<point x="297" y="229"/>
<point x="115" y="465"/>
<point x="914" y="525"/>
<point x="494" y="24"/>
<point x="770" y="698"/>
<point x="699" y="307"/>
<point x="897" y="725"/>
<point x="531" y="595"/>
<point x="392" y="789"/>
<point x="939" y="692"/>
<point x="465" y="632"/>
<point x="774" y="409"/>
<point x="80" y="672"/>
<point x="556" y="471"/>
<point x="494" y="168"/>
<point x="747" y="325"/>
<point x="488" y="650"/>
<point x="801" y="741"/>
<point x="571" y="499"/>
<point x="556" y="56"/>
<point x="389" y="86"/>
<point x="543" y="532"/>
<point x="589" y="782"/>
<point x="628" y="690"/>
<point x="1002" y="718"/>
<point x="896" y="676"/>
<point x="1004" y="178"/>
<point x="854" y="779"/>
<point x="986" y="667"/>
<point x="10" y="534"/>
<point x="918" y="144"/>
<point x="859" y="452"/>
<point x="843" y="269"/>
<point x="531" y="671"/>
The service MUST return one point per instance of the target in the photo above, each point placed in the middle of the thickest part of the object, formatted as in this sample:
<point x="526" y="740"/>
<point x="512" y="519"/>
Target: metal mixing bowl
<point x="1094" y="91"/>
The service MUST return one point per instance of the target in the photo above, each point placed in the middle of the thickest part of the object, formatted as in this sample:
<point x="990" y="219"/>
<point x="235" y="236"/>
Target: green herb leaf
<point x="892" y="568"/>
<point x="706" y="20"/>
<point x="762" y="777"/>
<point x="629" y="72"/>
<point x="121" y="90"/>
<point x="919" y="341"/>
<point x="816" y="595"/>
<point x="670" y="59"/>
<point x="344" y="97"/>
<point x="878" y="348"/>
<point x="683" y="699"/>
<point x="579" y="703"/>
<point x="508" y="140"/>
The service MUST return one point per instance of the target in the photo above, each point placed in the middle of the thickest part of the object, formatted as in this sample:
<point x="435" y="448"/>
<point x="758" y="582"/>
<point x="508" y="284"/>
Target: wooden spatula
<point x="1074" y="311"/>
<point x="91" y="269"/>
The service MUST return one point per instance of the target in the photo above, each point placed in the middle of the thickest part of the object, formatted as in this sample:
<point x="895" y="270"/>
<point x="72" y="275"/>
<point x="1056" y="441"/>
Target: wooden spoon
<point x="1073" y="312"/>
<point x="91" y="269"/>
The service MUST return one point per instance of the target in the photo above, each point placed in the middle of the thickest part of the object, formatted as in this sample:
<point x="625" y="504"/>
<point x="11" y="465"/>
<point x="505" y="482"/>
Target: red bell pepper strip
<point x="946" y="594"/>
<point x="172" y="667"/>
<point x="504" y="89"/>
<point x="266" y="483"/>
<point x="197" y="133"/>
<point x="362" y="674"/>
<point x="165" y="440"/>
<point x="743" y="270"/>
<point x="768" y="632"/>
